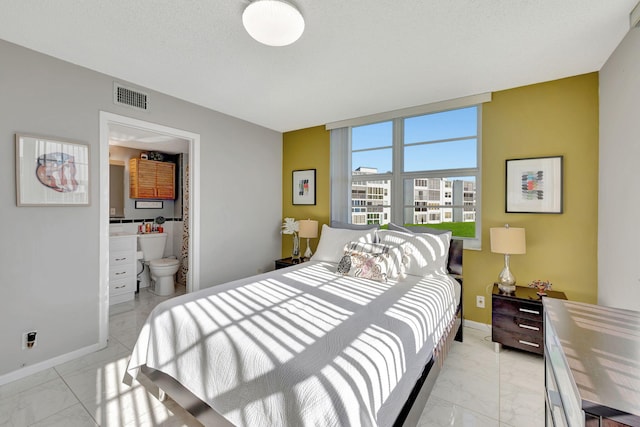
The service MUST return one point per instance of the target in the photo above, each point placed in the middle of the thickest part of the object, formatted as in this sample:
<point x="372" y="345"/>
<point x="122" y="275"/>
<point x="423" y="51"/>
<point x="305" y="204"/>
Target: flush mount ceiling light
<point x="273" y="22"/>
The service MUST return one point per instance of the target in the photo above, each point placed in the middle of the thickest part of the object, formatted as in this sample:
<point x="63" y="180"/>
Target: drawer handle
<point x="531" y="328"/>
<point x="121" y="259"/>
<point x="120" y="287"/>
<point x="526" y="310"/>
<point x="529" y="343"/>
<point x="121" y="273"/>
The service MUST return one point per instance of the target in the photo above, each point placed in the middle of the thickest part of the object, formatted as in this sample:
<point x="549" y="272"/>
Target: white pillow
<point x="427" y="253"/>
<point x="332" y="241"/>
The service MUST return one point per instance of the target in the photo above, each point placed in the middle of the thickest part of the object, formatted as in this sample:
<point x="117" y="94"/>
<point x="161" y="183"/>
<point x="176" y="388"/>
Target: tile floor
<point x="477" y="387"/>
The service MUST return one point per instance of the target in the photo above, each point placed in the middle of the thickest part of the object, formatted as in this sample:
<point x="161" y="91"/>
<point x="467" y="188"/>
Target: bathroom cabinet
<point x="149" y="179"/>
<point x="122" y="268"/>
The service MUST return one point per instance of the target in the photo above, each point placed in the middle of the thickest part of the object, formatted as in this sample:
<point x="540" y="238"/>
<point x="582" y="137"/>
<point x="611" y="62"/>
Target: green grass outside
<point x="460" y="229"/>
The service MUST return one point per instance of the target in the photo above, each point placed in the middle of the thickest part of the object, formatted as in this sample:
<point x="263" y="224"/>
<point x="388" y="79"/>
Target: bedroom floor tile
<point x="477" y="386"/>
<point x="440" y="413"/>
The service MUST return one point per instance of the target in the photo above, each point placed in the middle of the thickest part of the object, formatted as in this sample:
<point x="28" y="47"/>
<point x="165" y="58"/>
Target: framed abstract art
<point x="534" y="185"/>
<point x="304" y="187"/>
<point x="51" y="172"/>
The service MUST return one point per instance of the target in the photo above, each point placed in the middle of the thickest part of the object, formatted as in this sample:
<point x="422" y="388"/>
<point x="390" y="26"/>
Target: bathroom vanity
<point x="123" y="250"/>
<point x="592" y="365"/>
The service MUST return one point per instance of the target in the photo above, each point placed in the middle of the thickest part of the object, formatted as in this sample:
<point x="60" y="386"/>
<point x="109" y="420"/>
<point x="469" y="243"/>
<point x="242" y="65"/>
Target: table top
<point x="602" y="348"/>
<point x="527" y="293"/>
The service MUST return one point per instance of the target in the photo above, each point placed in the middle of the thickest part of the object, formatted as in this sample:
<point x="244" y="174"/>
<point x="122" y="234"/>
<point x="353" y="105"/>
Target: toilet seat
<point x="164" y="262"/>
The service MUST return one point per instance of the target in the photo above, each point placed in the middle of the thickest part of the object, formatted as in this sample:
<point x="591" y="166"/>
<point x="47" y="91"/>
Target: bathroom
<point x="147" y="213"/>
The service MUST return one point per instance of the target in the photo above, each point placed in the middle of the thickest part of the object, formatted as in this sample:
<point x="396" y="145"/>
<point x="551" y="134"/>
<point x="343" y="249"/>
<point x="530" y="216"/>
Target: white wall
<point x="50" y="277"/>
<point x="619" y="192"/>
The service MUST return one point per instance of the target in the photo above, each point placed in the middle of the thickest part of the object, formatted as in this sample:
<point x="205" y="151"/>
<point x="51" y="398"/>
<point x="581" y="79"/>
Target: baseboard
<point x="477" y="325"/>
<point x="49" y="363"/>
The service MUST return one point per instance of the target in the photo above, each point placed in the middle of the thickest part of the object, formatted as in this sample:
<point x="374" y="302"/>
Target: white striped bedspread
<point x="301" y="346"/>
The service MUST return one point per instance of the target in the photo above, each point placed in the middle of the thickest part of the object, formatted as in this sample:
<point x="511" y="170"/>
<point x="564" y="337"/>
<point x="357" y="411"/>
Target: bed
<point x="311" y="344"/>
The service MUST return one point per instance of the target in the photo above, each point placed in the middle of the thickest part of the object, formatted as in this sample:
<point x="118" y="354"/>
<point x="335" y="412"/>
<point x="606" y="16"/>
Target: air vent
<point x="123" y="95"/>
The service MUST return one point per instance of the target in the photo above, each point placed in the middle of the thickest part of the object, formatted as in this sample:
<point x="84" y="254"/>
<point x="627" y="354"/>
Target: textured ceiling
<point x="356" y="57"/>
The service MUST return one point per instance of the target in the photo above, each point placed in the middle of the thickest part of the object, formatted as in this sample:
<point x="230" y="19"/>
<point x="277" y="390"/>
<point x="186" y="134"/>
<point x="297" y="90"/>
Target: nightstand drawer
<point x="520" y="308"/>
<point x="522" y="341"/>
<point x="519" y="325"/>
<point x="518" y="318"/>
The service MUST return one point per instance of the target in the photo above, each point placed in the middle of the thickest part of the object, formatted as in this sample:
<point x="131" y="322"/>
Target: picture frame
<point x="534" y="185"/>
<point x="304" y="187"/>
<point x="51" y="171"/>
<point x="146" y="204"/>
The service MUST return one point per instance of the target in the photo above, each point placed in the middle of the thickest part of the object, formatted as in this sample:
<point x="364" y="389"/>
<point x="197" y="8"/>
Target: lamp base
<point x="506" y="289"/>
<point x="308" y="253"/>
<point x="506" y="280"/>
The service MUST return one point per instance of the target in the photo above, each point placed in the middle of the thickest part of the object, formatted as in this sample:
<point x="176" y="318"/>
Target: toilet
<point x="161" y="270"/>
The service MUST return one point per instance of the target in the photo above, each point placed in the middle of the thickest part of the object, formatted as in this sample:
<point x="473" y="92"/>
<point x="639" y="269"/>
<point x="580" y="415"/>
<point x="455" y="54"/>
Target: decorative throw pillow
<point x="393" y="255"/>
<point x="367" y="247"/>
<point x="369" y="266"/>
<point x="379" y="261"/>
<point x="344" y="265"/>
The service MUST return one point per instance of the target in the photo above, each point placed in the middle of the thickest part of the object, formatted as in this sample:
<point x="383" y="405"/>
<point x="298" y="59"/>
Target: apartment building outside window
<point x="418" y="169"/>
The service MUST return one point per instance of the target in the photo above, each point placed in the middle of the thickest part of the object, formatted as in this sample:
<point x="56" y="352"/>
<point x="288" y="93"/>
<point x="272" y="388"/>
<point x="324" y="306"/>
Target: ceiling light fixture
<point x="273" y="22"/>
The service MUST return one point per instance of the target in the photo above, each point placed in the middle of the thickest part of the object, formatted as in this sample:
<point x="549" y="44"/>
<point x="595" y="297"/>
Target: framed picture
<point x="51" y="172"/>
<point x="534" y="185"/>
<point x="304" y="187"/>
<point x="144" y="204"/>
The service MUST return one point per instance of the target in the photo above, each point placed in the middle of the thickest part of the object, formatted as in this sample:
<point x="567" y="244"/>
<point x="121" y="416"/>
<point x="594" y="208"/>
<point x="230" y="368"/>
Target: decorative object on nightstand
<point x="508" y="241"/>
<point x="308" y="229"/>
<point x="291" y="226"/>
<point x="517" y="318"/>
<point x="542" y="286"/>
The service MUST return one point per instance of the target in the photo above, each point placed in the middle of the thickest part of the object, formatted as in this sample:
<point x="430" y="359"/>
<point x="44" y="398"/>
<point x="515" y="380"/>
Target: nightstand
<point x="287" y="262"/>
<point x="517" y="319"/>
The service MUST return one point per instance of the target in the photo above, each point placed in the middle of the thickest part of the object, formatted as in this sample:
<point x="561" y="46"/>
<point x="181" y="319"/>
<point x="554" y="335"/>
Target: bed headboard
<point x="454" y="264"/>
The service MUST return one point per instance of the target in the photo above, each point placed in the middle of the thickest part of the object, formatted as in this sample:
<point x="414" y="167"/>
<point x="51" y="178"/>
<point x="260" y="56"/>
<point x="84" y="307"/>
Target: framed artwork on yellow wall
<point x="534" y="185"/>
<point x="304" y="187"/>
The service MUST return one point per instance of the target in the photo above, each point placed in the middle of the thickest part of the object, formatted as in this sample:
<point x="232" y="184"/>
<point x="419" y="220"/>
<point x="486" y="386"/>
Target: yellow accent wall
<point x="547" y="119"/>
<point x="305" y="149"/>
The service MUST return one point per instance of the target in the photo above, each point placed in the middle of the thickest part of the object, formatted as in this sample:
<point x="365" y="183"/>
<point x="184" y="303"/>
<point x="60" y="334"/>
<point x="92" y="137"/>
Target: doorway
<point x="112" y="123"/>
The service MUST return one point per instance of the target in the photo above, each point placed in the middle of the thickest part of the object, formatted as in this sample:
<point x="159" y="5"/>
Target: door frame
<point x="193" y="276"/>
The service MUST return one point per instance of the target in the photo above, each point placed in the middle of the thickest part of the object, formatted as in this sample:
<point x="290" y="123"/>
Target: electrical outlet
<point x="29" y="339"/>
<point x="480" y="301"/>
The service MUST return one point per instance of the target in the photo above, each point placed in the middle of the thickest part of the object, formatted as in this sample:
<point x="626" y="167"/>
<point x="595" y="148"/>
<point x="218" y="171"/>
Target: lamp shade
<point x="273" y="22"/>
<point x="308" y="229"/>
<point x="508" y="240"/>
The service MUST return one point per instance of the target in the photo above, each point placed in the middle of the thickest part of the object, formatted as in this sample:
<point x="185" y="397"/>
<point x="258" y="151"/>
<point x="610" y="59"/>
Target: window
<point x="414" y="170"/>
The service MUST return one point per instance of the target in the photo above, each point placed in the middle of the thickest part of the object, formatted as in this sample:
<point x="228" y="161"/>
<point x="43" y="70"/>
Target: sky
<point x="461" y="153"/>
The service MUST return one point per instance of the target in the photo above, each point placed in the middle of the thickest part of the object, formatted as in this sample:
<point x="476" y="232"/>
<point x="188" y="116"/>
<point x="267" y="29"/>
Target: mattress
<point x="302" y="345"/>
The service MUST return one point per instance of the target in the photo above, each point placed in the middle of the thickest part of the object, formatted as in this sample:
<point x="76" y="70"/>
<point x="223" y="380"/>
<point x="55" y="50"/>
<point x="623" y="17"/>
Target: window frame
<point x="341" y="170"/>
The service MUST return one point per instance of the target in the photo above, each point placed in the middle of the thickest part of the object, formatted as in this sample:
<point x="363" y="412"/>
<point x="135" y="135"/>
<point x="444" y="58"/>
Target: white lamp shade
<point x="273" y="22"/>
<point x="508" y="240"/>
<point x="308" y="229"/>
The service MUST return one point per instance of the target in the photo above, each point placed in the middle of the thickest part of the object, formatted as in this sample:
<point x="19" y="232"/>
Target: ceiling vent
<point x="126" y="96"/>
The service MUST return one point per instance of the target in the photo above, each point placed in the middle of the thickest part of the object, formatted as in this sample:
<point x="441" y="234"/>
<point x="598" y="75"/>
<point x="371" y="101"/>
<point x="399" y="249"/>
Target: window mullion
<point x="397" y="182"/>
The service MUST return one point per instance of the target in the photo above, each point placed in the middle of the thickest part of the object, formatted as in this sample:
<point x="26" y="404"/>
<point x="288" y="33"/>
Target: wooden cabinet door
<point x="149" y="179"/>
<point x="165" y="176"/>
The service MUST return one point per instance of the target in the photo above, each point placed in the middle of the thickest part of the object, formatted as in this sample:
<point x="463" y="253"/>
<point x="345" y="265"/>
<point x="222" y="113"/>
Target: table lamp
<point x="508" y="241"/>
<point x="308" y="229"/>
